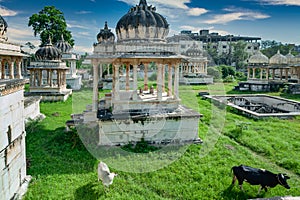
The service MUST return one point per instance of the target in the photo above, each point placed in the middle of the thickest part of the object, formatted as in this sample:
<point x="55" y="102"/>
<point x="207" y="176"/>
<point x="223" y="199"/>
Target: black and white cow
<point x="260" y="177"/>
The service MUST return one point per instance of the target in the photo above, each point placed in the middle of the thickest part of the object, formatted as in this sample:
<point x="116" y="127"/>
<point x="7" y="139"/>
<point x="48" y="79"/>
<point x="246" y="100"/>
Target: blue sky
<point x="269" y="19"/>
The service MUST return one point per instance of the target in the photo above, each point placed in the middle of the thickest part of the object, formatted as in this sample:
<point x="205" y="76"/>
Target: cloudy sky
<point x="269" y="19"/>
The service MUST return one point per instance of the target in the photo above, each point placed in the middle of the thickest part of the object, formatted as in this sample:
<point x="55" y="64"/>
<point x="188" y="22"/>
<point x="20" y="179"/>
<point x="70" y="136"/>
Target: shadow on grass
<point x="90" y="191"/>
<point x="56" y="152"/>
<point x="235" y="193"/>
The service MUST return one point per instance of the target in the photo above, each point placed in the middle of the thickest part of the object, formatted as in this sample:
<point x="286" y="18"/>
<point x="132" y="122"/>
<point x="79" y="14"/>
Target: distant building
<point x="266" y="74"/>
<point x="207" y="40"/>
<point x="48" y="75"/>
<point x="73" y="80"/>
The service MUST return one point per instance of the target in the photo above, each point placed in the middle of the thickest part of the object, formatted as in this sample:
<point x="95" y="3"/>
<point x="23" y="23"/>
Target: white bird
<point x="105" y="175"/>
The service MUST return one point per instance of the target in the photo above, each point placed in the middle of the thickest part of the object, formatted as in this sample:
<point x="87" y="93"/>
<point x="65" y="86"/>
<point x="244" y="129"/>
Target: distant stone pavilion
<point x="266" y="74"/>
<point x="48" y="75"/>
<point x="132" y="113"/>
<point x="194" y="71"/>
<point x="72" y="79"/>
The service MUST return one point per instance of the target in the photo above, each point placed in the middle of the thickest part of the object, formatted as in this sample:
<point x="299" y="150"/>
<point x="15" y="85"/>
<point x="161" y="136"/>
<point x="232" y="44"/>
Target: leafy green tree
<point x="50" y="22"/>
<point x="227" y="71"/>
<point x="215" y="72"/>
<point x="213" y="54"/>
<point x="239" y="54"/>
<point x="269" y="43"/>
<point x="270" y="48"/>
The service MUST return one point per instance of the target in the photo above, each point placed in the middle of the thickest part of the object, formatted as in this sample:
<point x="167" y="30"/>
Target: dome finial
<point x="105" y="26"/>
<point x="143" y="3"/>
<point x="62" y="37"/>
<point x="49" y="42"/>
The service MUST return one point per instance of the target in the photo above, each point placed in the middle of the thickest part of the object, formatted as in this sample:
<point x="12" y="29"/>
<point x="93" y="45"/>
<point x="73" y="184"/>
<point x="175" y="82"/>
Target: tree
<point x="270" y="48"/>
<point x="215" y="72"/>
<point x="239" y="54"/>
<point x="226" y="71"/>
<point x="50" y="22"/>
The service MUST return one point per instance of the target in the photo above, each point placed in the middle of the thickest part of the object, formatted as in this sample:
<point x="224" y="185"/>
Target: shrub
<point x="213" y="71"/>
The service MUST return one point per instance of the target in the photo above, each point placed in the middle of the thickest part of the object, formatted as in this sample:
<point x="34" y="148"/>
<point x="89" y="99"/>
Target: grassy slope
<point x="61" y="170"/>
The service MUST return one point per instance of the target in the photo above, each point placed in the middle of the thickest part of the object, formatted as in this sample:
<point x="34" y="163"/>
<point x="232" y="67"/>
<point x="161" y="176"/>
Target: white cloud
<point x="21" y="35"/>
<point x="83" y="12"/>
<point x="83" y="49"/>
<point x="171" y="3"/>
<point x="282" y="2"/>
<point x="191" y="28"/>
<point x="168" y="3"/>
<point x="173" y="9"/>
<point x="197" y="11"/>
<point x="228" y="17"/>
<point x="7" y="12"/>
<point x="69" y="25"/>
<point x="83" y="34"/>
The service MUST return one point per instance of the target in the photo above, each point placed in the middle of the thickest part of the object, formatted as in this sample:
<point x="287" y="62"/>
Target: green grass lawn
<point x="63" y="169"/>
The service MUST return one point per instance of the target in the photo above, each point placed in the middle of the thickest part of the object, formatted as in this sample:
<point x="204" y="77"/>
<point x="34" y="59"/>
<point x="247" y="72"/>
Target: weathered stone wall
<point x="32" y="108"/>
<point x="12" y="144"/>
<point x="158" y="130"/>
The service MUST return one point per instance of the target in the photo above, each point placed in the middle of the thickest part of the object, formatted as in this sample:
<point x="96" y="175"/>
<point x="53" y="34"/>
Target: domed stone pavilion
<point x="48" y="75"/>
<point x="194" y="71"/>
<point x="139" y="48"/>
<point x="273" y="72"/>
<point x="72" y="79"/>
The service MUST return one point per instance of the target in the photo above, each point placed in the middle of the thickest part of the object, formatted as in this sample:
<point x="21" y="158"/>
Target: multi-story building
<point x="207" y="40"/>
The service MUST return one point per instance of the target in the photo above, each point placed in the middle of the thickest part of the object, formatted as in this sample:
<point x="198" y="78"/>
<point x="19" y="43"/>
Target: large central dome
<point x="142" y="24"/>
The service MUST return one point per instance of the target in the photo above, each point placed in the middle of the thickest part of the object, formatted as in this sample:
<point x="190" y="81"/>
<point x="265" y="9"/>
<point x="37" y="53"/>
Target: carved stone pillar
<point x="127" y="77"/>
<point x="267" y="74"/>
<point x="100" y="71"/>
<point x="95" y="87"/>
<point x="170" y="86"/>
<point x="176" y="82"/>
<point x="33" y="78"/>
<point x="159" y="81"/>
<point x="19" y="69"/>
<point x="50" y="77"/>
<point x="64" y="79"/>
<point x="135" y="84"/>
<point x="40" y="78"/>
<point x="163" y="78"/>
<point x="11" y="69"/>
<point x="273" y="73"/>
<point x="145" y="76"/>
<point x="253" y="73"/>
<point x="261" y="73"/>
<point x="58" y="78"/>
<point x="116" y="82"/>
<point x="248" y="74"/>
